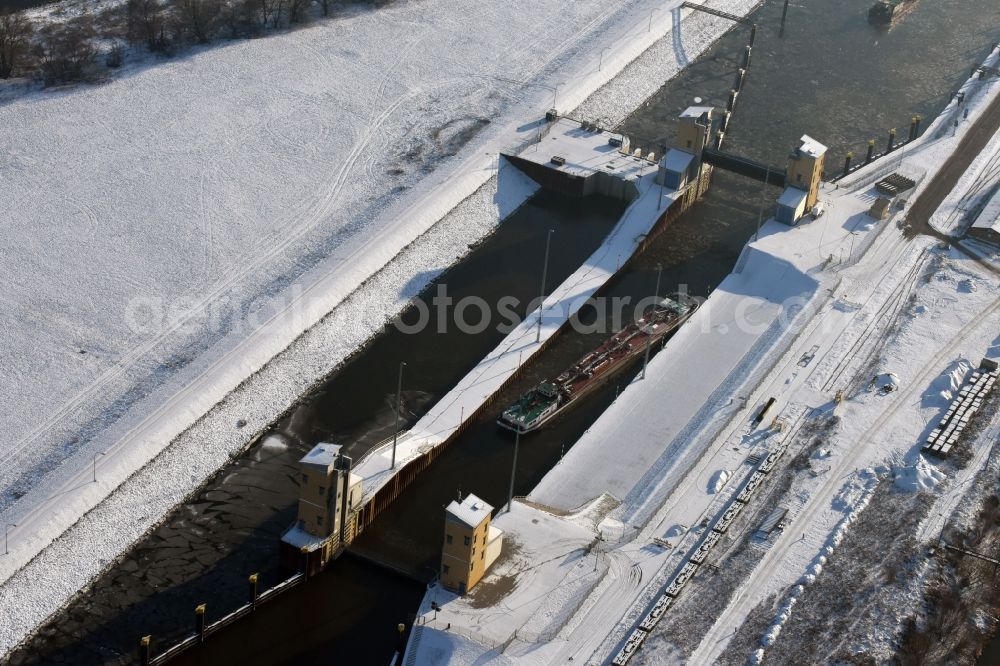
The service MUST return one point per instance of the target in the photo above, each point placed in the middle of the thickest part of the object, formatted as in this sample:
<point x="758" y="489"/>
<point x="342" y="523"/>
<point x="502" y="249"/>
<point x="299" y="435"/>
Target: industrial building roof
<point x="696" y="111"/>
<point x="471" y="511"/>
<point x="811" y="146"/>
<point x="792" y="197"/>
<point x="584" y="151"/>
<point x="323" y="453"/>
<point x="677" y="161"/>
<point x="299" y="538"/>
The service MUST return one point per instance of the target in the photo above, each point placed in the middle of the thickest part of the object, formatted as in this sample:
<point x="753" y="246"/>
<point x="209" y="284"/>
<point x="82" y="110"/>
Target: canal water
<point x="831" y="75"/>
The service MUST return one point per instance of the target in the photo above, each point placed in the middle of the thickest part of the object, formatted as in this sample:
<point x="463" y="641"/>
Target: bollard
<point x="916" y="126"/>
<point x="746" y="57"/>
<point x="892" y="140"/>
<point x="401" y="628"/>
<point x="718" y="140"/>
<point x="253" y="591"/>
<point x="305" y="561"/>
<point x="871" y="151"/>
<point x="144" y="650"/>
<point x="753" y="33"/>
<point x="199" y="622"/>
<point x="741" y="75"/>
<point x="731" y="104"/>
<point x="913" y="127"/>
<point x="724" y="125"/>
<point x="847" y="163"/>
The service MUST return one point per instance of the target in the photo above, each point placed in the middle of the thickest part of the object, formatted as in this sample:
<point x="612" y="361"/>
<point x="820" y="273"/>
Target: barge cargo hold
<point x="545" y="401"/>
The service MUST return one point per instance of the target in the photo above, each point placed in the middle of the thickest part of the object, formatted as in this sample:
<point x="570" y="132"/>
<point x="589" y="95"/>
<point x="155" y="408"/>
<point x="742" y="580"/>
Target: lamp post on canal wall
<point x="399" y="395"/>
<point x="649" y="333"/>
<point x="545" y="272"/>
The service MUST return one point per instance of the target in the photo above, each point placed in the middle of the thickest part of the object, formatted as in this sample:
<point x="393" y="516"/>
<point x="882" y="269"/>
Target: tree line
<point x="84" y="48"/>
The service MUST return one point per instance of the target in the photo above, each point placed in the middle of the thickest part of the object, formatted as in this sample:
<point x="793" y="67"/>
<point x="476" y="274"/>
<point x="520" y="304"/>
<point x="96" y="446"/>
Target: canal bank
<point x="693" y="248"/>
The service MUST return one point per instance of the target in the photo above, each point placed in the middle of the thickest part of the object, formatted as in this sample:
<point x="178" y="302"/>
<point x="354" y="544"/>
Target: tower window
<point x="322" y="490"/>
<point x="466" y="541"/>
<point x="447" y="538"/>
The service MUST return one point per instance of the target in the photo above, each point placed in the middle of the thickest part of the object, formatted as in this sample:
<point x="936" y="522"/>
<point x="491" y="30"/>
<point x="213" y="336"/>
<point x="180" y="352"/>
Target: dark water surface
<point x="832" y="76"/>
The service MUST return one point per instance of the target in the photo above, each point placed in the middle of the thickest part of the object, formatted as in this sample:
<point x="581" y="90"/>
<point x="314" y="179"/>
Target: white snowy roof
<point x="696" y="111"/>
<point x="321" y="454"/>
<point x="677" y="160"/>
<point x="989" y="218"/>
<point x="494" y="533"/>
<point x="792" y="197"/>
<point x="299" y="538"/>
<point x="811" y="146"/>
<point x="470" y="511"/>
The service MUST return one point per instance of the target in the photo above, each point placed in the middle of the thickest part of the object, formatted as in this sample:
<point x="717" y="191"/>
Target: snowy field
<point x="166" y="216"/>
<point x="131" y="400"/>
<point x="874" y="310"/>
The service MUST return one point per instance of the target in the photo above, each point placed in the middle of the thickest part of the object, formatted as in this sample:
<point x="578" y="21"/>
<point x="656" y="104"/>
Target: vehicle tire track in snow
<point x="314" y="215"/>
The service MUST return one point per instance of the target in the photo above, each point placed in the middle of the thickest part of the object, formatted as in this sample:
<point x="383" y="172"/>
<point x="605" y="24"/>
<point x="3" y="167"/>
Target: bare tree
<point x="297" y="10"/>
<point x="66" y="53"/>
<point x="197" y="17"/>
<point x="266" y="11"/>
<point x="15" y="35"/>
<point x="146" y="23"/>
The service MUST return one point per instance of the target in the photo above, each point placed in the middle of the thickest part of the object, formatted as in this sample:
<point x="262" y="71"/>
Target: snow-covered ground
<point x="339" y="174"/>
<point x="871" y="310"/>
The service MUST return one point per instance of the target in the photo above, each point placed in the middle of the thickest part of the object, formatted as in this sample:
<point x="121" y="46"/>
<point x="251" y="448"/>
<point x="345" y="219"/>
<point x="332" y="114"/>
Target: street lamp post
<point x="513" y="469"/>
<point x="399" y="394"/>
<point x="763" y="198"/>
<point x="6" y="537"/>
<point x="649" y="334"/>
<point x="545" y="272"/>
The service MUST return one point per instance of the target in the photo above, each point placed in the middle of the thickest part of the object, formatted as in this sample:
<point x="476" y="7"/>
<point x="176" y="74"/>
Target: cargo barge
<point x="884" y="12"/>
<point x="541" y="404"/>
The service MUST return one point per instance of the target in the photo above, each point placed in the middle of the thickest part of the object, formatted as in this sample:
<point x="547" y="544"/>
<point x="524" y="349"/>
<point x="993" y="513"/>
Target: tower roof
<point x="471" y="511"/>
<point x="811" y="147"/>
<point x="322" y="454"/>
<point x="697" y="111"/>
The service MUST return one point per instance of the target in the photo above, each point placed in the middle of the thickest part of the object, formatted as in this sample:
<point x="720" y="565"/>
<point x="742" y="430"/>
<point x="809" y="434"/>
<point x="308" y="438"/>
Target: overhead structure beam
<point x="716" y="12"/>
<point x="744" y="167"/>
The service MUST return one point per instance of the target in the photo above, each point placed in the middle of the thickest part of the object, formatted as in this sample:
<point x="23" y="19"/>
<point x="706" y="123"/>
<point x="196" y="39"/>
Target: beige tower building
<point x="681" y="163"/>
<point x="802" y="180"/>
<point x="329" y="494"/>
<point x="471" y="543"/>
